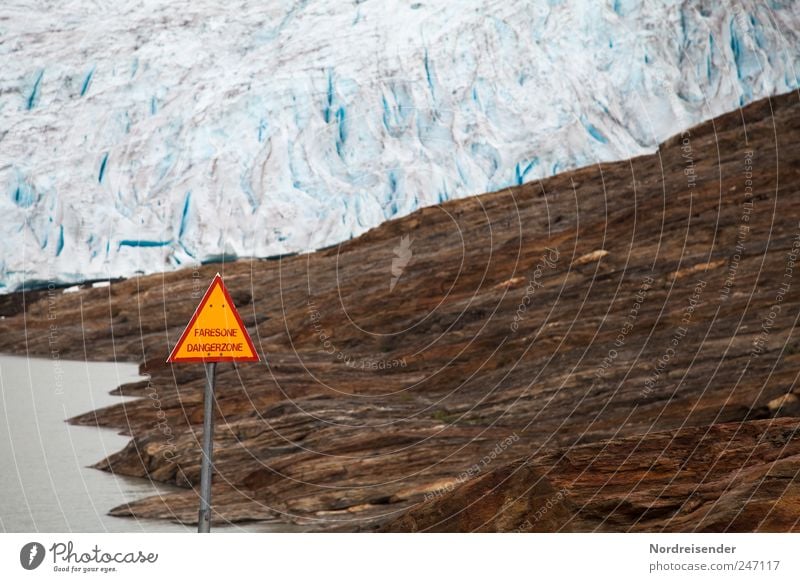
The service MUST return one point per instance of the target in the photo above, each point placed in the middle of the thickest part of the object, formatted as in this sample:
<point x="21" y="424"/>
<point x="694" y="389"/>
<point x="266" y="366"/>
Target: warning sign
<point x="215" y="333"/>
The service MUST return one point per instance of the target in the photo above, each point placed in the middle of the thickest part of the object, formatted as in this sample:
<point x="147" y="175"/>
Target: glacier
<point x="143" y="136"/>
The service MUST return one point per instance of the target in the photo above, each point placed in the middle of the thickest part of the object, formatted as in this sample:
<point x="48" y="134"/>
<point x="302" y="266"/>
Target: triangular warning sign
<point x="216" y="332"/>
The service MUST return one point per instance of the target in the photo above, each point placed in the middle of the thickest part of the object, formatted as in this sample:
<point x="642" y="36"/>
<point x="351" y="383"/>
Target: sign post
<point x="215" y="334"/>
<point x="204" y="517"/>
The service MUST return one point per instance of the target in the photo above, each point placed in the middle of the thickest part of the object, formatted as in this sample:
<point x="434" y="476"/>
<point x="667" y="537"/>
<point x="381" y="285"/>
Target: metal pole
<point x="206" y="467"/>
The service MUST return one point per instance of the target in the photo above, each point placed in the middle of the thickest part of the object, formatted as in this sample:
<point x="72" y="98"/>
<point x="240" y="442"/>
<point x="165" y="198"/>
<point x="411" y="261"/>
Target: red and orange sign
<point x="216" y="332"/>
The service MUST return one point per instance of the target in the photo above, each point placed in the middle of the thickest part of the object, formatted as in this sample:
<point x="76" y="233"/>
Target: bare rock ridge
<point x="610" y="349"/>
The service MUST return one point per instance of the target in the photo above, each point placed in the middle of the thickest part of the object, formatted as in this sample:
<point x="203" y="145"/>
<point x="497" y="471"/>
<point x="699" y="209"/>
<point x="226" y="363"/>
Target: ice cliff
<point x="140" y="136"/>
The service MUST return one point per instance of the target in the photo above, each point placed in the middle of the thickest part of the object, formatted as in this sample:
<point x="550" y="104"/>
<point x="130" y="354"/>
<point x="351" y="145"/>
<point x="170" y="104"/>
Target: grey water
<point x="46" y="484"/>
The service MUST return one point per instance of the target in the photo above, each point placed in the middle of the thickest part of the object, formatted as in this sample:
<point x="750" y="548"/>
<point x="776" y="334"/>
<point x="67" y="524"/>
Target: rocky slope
<point x="725" y="477"/>
<point x="617" y="340"/>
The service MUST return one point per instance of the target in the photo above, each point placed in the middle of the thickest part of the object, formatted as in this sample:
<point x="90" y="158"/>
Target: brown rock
<point x="735" y="477"/>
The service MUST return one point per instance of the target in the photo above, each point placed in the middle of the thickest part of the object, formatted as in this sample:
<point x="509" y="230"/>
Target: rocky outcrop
<point x="727" y="477"/>
<point x="588" y="315"/>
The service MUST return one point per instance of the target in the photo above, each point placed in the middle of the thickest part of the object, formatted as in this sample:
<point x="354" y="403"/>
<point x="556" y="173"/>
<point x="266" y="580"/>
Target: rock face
<point x="727" y="477"/>
<point x="617" y="342"/>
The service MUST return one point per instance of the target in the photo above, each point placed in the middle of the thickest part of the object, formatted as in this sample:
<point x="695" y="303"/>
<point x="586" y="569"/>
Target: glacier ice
<point x="136" y="137"/>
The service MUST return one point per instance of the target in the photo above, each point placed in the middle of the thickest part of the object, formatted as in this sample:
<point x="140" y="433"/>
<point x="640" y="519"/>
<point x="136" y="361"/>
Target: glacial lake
<point x="46" y="484"/>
